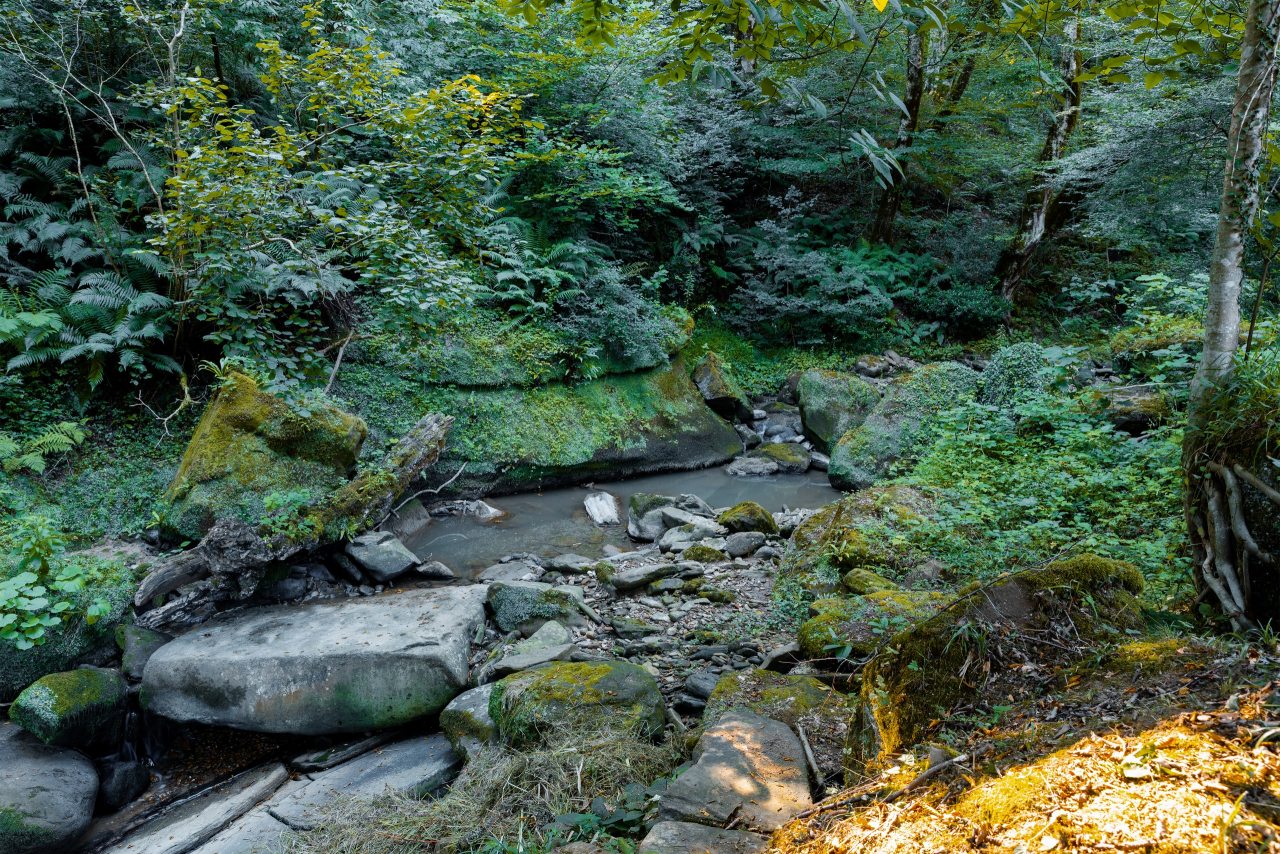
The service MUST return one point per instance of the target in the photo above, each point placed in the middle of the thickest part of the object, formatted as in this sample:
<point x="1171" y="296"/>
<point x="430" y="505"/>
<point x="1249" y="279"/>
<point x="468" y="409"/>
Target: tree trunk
<point x="1038" y="207"/>
<point x="1219" y="534"/>
<point x="891" y="197"/>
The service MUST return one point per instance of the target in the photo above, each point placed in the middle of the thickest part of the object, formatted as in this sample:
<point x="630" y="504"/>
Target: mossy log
<point x="232" y="558"/>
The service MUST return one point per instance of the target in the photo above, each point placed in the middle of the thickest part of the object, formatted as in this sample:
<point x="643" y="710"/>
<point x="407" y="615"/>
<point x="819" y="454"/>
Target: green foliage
<point x="28" y="454"/>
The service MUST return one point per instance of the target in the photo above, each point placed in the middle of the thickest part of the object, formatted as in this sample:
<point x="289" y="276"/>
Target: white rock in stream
<point x="603" y="508"/>
<point x="350" y="665"/>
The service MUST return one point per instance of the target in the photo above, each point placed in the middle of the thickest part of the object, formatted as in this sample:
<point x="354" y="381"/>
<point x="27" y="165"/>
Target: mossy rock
<point x="790" y="457"/>
<point x="81" y="708"/>
<point x="798" y="701"/>
<point x="614" y="695"/>
<point x="861" y="582"/>
<point x="862" y="624"/>
<point x="250" y="444"/>
<point x="918" y="677"/>
<point x="525" y="605"/>
<point x="1134" y="348"/>
<point x="898" y="426"/>
<point x="719" y="389"/>
<point x="516" y="439"/>
<point x="748" y="516"/>
<point x="832" y="404"/>
<point x="703" y="554"/>
<point x="1015" y="373"/>
<point x="466" y="721"/>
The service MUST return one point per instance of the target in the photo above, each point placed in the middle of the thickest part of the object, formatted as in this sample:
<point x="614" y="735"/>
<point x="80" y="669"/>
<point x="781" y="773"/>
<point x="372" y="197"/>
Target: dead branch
<point x="809" y="758"/>
<point x="435" y="490"/>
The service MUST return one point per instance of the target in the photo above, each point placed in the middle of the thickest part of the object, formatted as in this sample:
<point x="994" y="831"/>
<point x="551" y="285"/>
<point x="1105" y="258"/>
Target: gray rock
<point x="602" y="508"/>
<point x="569" y="563"/>
<point x="747" y="769"/>
<point x="751" y="467"/>
<point x="718" y="389"/>
<point x="644" y="515"/>
<point x="466" y="721"/>
<point x="195" y="821"/>
<point x="347" y="568"/>
<point x="552" y="642"/>
<point x="434" y="570"/>
<point x="138" y="645"/>
<point x="327" y="757"/>
<point x="678" y="539"/>
<point x="381" y="555"/>
<point x="819" y="461"/>
<point x="524" y="606"/>
<point x="743" y="543"/>
<point x="634" y="577"/>
<point x="700" y="683"/>
<point x="46" y="794"/>
<point x="324" y="667"/>
<point x="682" y="837"/>
<point x="119" y="782"/>
<point x="516" y="570"/>
<point x="601" y="693"/>
<point x="416" y="767"/>
<point x="82" y="708"/>
<point x="256" y="833"/>
<point x="286" y="590"/>
<point x="750" y="438"/>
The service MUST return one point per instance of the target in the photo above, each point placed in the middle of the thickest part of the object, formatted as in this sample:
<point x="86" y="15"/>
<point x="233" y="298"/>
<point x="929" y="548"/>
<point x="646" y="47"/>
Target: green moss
<point x="862" y="624"/>
<point x="863" y="581"/>
<point x="1157" y="332"/>
<point x="833" y="403"/>
<point x="898" y="426"/>
<point x="748" y="516"/>
<point x="78" y="708"/>
<point x="519" y="605"/>
<point x="703" y="554"/>
<point x="1088" y="571"/>
<point x="249" y="444"/>
<point x="18" y="835"/>
<point x="613" y="694"/>
<point x="783" y="697"/>
<point x="789" y="455"/>
<point x="1015" y="373"/>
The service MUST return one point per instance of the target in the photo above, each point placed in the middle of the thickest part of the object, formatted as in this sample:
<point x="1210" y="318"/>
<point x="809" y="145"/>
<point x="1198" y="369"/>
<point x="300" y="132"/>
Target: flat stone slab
<point x="417" y="766"/>
<point x="194" y="822"/>
<point x="256" y="833"/>
<point x="747" y="769"/>
<point x="351" y="665"/>
<point x="682" y="837"/>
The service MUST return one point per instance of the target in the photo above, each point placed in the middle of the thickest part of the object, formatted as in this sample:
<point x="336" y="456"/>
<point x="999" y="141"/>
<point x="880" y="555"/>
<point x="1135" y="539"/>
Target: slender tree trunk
<point x="1038" y="207"/>
<point x="891" y="197"/>
<point x="1221" y="541"/>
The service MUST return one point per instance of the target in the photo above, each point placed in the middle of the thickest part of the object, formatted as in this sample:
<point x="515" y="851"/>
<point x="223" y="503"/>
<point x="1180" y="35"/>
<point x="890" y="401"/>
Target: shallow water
<point x="554" y="522"/>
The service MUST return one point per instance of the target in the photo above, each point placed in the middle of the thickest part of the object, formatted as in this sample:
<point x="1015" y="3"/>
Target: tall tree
<point x="1222" y="541"/>
<point x="1041" y="203"/>
<point x="891" y="196"/>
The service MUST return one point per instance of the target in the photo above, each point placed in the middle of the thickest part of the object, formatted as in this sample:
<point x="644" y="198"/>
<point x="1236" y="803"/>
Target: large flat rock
<point x="194" y="822"/>
<point x="417" y="766"/>
<point x="351" y="665"/>
<point x="747" y="769"/>
<point x="256" y="833"/>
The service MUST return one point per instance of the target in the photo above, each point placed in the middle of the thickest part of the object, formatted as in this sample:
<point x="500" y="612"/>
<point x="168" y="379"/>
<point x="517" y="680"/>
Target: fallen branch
<point x="809" y="758"/>
<point x="435" y="490"/>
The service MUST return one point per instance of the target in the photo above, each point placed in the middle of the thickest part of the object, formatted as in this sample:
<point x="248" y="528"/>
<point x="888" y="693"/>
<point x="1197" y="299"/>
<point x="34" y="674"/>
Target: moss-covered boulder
<point x="934" y="663"/>
<point x="466" y="720"/>
<point x="515" y="439"/>
<point x="898" y="425"/>
<point x="250" y="444"/>
<point x="604" y="694"/>
<point x="720" y="391"/>
<point x="1015" y="373"/>
<point x="82" y="708"/>
<point x="858" y="626"/>
<point x="832" y="404"/>
<point x="524" y="606"/>
<point x="800" y="702"/>
<point x="748" y="516"/>
<point x="1146" y="346"/>
<point x="789" y="457"/>
<point x="703" y="554"/>
<point x="861" y="581"/>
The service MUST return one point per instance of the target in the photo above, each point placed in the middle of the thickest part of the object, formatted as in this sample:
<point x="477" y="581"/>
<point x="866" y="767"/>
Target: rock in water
<point x="747" y="769"/>
<point x="323" y="667"/>
<point x="602" y="508"/>
<point x="46" y="794"/>
<point x="381" y="555"/>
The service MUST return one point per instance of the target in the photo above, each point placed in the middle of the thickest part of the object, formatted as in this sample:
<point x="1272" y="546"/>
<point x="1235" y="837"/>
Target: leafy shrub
<point x="36" y="594"/>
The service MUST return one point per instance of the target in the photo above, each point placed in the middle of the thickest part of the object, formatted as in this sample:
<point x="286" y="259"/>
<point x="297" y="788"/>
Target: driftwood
<point x="230" y="561"/>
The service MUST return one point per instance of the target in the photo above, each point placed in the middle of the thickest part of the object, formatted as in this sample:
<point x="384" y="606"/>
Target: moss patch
<point x="748" y="516"/>
<point x="615" y="694"/>
<point x="79" y="708"/>
<point x="833" y="403"/>
<point x="703" y="554"/>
